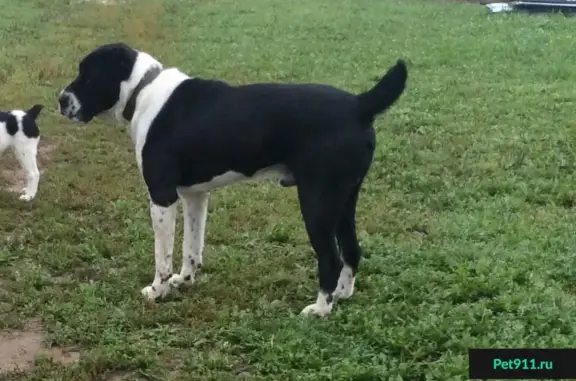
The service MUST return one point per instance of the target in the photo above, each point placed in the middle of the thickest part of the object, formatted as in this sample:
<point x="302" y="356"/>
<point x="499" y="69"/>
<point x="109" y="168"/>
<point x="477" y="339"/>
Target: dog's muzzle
<point x="69" y="105"/>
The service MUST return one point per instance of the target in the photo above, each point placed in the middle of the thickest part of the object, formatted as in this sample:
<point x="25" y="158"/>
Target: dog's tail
<point x="385" y="93"/>
<point x="34" y="111"/>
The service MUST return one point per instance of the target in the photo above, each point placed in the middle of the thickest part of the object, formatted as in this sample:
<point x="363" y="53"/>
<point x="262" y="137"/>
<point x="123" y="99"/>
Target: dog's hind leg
<point x="26" y="151"/>
<point x="329" y="180"/>
<point x="320" y="210"/>
<point x="348" y="245"/>
<point x="195" y="208"/>
<point x="163" y="224"/>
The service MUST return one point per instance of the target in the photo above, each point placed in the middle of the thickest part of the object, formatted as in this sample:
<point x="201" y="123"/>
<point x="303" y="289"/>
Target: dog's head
<point x="106" y="77"/>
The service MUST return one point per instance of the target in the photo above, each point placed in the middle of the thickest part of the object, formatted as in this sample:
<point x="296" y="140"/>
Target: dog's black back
<point x="208" y="127"/>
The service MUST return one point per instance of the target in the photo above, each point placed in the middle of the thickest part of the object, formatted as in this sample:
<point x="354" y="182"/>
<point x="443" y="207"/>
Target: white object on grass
<point x="499" y="7"/>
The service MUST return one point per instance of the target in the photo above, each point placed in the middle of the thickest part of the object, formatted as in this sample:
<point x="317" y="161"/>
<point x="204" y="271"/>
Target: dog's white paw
<point x="346" y="281"/>
<point x="153" y="293"/>
<point x="314" y="309"/>
<point x="25" y="196"/>
<point x="346" y="289"/>
<point x="322" y="307"/>
<point x="177" y="280"/>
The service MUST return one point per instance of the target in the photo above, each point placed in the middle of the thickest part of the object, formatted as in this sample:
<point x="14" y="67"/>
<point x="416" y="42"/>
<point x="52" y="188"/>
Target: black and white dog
<point x="193" y="135"/>
<point x="18" y="130"/>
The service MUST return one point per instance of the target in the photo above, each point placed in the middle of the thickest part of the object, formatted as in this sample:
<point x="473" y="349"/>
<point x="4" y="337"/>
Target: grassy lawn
<point x="466" y="218"/>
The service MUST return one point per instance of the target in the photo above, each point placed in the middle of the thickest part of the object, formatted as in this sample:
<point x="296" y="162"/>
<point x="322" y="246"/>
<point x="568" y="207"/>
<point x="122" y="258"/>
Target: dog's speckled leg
<point x="163" y="223"/>
<point x="195" y="207"/>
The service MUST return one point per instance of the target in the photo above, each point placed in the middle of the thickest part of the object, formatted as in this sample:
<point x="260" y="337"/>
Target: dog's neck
<point x="145" y="70"/>
<point x="148" y="77"/>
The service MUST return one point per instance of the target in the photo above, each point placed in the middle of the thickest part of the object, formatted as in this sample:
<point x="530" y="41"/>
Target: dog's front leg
<point x="163" y="223"/>
<point x="195" y="207"/>
<point x="26" y="152"/>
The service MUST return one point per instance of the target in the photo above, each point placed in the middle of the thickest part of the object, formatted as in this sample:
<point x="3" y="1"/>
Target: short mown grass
<point x="466" y="218"/>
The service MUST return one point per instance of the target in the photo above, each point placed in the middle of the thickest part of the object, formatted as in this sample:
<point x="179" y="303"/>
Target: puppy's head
<point x="97" y="88"/>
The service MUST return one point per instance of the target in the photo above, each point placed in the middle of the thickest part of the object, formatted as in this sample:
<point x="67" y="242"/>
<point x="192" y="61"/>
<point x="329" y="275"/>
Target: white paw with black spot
<point x="317" y="310"/>
<point x="178" y="280"/>
<point x="152" y="293"/>
<point x="322" y="307"/>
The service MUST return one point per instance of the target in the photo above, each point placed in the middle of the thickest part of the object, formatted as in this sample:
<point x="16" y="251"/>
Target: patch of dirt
<point x="118" y="376"/>
<point x="45" y="149"/>
<point x="19" y="349"/>
<point x="13" y="178"/>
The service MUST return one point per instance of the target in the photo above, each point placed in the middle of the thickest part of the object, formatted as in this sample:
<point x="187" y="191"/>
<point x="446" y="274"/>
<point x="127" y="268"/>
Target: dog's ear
<point x="34" y="111"/>
<point x="124" y="57"/>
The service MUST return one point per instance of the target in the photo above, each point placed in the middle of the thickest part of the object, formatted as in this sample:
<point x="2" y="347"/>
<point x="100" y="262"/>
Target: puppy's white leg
<point x="163" y="223"/>
<point x="26" y="153"/>
<point x="195" y="207"/>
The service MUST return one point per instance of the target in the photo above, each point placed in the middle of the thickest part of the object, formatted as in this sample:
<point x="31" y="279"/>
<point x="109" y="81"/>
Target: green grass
<point x="466" y="218"/>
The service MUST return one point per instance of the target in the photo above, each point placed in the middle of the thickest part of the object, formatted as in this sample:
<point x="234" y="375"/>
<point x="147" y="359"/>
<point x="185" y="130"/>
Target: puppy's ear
<point x="34" y="111"/>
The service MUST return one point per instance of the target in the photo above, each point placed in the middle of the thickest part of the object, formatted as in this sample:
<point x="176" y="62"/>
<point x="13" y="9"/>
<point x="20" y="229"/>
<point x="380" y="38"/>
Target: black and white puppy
<point x="193" y="135"/>
<point x="18" y="130"/>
